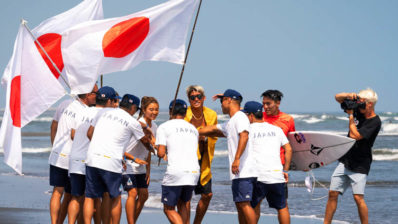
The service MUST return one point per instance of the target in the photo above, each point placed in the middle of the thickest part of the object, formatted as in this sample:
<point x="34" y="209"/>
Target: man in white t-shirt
<point x="265" y="141"/>
<point x="57" y="115"/>
<point x="105" y="97"/>
<point x="59" y="157"/>
<point x="110" y="133"/>
<point x="242" y="164"/>
<point x="179" y="139"/>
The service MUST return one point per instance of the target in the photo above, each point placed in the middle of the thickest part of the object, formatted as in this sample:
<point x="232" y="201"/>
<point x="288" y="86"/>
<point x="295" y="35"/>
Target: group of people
<point x="99" y="150"/>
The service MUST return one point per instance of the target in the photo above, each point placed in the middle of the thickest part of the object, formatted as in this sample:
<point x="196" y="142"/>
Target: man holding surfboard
<point x="354" y="166"/>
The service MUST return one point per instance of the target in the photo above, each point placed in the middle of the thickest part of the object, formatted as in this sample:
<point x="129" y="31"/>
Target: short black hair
<point x="273" y="94"/>
<point x="179" y="109"/>
<point x="125" y="104"/>
<point x="239" y="100"/>
<point x="100" y="101"/>
<point x="258" y="115"/>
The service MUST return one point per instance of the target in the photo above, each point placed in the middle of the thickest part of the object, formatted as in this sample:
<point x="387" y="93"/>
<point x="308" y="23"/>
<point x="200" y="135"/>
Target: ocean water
<point x="381" y="191"/>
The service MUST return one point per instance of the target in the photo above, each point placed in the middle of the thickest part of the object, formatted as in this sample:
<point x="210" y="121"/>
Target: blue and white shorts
<point x="242" y="189"/>
<point x="99" y="181"/>
<point x="342" y="178"/>
<point x="172" y="194"/>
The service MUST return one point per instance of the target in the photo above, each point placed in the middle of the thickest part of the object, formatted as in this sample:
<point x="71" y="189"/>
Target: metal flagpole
<point x="185" y="61"/>
<point x="24" y="22"/>
<point x="102" y="80"/>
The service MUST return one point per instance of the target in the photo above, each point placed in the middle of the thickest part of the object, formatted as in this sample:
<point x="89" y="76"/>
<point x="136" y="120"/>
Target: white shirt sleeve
<point x="223" y="128"/>
<point x="243" y="124"/>
<point x="284" y="139"/>
<point x="136" y="128"/>
<point x="160" y="136"/>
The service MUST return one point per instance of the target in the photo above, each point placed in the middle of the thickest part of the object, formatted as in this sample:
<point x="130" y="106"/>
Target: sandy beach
<point x="25" y="199"/>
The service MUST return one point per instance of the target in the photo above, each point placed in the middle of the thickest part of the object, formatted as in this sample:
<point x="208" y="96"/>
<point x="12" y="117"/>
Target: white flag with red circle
<point x="118" y="44"/>
<point x="31" y="80"/>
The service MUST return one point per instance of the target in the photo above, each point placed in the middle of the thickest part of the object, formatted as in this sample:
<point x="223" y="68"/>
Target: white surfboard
<point x="316" y="149"/>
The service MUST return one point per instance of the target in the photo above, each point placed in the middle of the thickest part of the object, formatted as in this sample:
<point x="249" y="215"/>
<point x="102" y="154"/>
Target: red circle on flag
<point x="125" y="37"/>
<point x="51" y="43"/>
<point x="15" y="101"/>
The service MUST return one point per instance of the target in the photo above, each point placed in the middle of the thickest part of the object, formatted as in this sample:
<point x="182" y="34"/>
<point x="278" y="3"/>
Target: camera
<point x="349" y="104"/>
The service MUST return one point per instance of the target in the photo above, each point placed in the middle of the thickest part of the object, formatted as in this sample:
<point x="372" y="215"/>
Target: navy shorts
<point x="130" y="181"/>
<point x="99" y="181"/>
<point x="242" y="189"/>
<point x="206" y="189"/>
<point x="59" y="178"/>
<point x="78" y="184"/>
<point x="171" y="194"/>
<point x="275" y="194"/>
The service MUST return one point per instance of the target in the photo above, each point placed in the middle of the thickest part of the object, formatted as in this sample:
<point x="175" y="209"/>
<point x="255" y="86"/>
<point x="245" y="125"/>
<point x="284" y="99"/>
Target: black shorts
<point x="172" y="194"/>
<point x="59" y="178"/>
<point x="130" y="181"/>
<point x="78" y="183"/>
<point x="286" y="191"/>
<point x="206" y="189"/>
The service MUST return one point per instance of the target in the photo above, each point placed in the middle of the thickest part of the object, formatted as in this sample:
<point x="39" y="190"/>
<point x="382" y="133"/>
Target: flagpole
<point x="102" y="80"/>
<point x="185" y="61"/>
<point x="186" y="56"/>
<point x="24" y="22"/>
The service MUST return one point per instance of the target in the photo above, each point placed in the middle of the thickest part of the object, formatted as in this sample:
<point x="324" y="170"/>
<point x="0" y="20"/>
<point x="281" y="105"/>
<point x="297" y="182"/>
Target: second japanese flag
<point x="118" y="44"/>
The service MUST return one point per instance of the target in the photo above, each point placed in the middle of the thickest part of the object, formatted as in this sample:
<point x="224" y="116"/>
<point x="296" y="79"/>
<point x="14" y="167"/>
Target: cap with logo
<point x="178" y="102"/>
<point x="252" y="107"/>
<point x="231" y="94"/>
<point x="107" y="92"/>
<point x="131" y="99"/>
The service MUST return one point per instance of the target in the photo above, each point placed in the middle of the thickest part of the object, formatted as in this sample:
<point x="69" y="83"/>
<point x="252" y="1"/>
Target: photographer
<point x="354" y="166"/>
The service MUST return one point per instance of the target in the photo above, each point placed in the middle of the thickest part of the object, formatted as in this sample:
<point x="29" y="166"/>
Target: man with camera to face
<point x="354" y="166"/>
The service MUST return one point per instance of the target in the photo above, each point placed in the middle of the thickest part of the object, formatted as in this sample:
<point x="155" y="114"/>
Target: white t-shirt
<point x="80" y="143"/>
<point x="113" y="130"/>
<point x="61" y="107"/>
<point x="181" y="140"/>
<point x="265" y="141"/>
<point x="231" y="129"/>
<point x="70" y="118"/>
<point x="138" y="150"/>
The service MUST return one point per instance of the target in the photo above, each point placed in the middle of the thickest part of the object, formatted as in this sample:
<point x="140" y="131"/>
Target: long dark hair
<point x="145" y="101"/>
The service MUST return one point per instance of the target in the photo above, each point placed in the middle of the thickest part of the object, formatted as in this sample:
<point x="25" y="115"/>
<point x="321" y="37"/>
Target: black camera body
<point x="349" y="104"/>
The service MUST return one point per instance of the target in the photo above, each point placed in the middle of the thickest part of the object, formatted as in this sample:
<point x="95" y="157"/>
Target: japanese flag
<point x="31" y="80"/>
<point x="117" y="44"/>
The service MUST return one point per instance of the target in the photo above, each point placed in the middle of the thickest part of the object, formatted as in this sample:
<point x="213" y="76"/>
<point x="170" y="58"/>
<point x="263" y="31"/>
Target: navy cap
<point x="232" y="94"/>
<point x="252" y="107"/>
<point x="178" y="102"/>
<point x="131" y="99"/>
<point x="107" y="92"/>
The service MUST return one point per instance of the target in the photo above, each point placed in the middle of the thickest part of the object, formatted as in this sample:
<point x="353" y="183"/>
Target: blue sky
<point x="309" y="50"/>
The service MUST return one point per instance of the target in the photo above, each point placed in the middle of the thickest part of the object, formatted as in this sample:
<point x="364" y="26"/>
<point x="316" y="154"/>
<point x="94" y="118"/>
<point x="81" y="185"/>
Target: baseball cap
<point x="232" y="94"/>
<point x="107" y="92"/>
<point x="252" y="107"/>
<point x="131" y="99"/>
<point x="178" y="102"/>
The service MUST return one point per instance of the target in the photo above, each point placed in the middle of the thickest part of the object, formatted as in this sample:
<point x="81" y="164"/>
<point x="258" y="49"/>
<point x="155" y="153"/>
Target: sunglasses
<point x="193" y="97"/>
